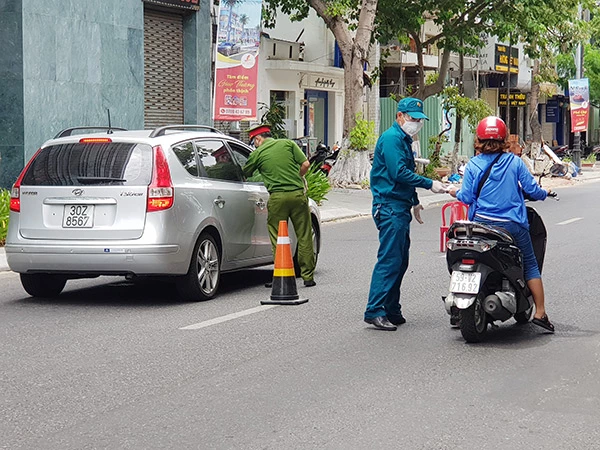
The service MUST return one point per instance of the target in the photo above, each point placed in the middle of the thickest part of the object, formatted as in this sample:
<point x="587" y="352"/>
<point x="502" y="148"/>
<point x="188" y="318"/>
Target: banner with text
<point x="236" y="68"/>
<point x="579" y="101"/>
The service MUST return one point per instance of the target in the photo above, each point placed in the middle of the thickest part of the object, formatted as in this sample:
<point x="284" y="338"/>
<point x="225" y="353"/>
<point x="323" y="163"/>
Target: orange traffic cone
<point x="284" y="290"/>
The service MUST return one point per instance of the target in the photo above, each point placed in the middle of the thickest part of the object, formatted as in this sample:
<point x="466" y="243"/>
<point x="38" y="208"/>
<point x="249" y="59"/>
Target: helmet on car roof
<point x="491" y="128"/>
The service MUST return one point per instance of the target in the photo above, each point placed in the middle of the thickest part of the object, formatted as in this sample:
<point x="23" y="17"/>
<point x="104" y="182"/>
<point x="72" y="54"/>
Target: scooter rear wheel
<point x="474" y="321"/>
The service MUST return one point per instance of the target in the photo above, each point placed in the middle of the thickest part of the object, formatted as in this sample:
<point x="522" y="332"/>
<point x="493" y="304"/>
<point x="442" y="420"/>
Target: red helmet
<point x="491" y="128"/>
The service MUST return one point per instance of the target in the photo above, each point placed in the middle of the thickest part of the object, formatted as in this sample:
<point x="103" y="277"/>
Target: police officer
<point x="393" y="183"/>
<point x="282" y="166"/>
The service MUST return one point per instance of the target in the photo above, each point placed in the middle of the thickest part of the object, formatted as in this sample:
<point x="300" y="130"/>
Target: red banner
<point x="235" y="89"/>
<point x="579" y="101"/>
<point x="238" y="39"/>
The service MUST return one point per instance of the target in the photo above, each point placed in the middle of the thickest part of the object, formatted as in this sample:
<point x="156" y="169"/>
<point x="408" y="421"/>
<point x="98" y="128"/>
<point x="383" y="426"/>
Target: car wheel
<point x="202" y="280"/>
<point x="316" y="241"/>
<point x="44" y="285"/>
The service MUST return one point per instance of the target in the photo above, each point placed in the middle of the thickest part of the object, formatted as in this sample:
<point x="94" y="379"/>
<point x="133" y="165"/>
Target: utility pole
<point x="578" y="65"/>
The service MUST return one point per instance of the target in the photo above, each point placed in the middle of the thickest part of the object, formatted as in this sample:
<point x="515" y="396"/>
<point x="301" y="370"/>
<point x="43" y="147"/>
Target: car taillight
<point x="15" y="193"/>
<point x="160" y="190"/>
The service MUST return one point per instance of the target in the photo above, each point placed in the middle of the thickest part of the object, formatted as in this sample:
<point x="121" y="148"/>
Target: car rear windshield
<point x="77" y="164"/>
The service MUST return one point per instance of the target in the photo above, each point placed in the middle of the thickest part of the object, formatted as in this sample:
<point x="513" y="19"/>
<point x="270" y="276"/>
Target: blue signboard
<point x="552" y="111"/>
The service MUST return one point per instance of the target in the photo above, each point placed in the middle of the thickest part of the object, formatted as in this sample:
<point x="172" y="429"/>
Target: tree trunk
<point x="534" y="122"/>
<point x="353" y="93"/>
<point x="354" y="46"/>
<point x="351" y="168"/>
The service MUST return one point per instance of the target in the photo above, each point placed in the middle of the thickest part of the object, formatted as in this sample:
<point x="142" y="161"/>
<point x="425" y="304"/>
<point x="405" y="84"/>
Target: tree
<point x="462" y="27"/>
<point x="546" y="36"/>
<point x="351" y="22"/>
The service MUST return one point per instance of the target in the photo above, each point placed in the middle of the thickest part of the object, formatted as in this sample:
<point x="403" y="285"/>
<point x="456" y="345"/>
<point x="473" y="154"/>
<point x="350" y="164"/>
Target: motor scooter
<point x="487" y="281"/>
<point x="324" y="157"/>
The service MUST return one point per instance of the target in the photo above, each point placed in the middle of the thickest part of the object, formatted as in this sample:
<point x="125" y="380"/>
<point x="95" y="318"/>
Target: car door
<point x="232" y="205"/>
<point x="260" y="197"/>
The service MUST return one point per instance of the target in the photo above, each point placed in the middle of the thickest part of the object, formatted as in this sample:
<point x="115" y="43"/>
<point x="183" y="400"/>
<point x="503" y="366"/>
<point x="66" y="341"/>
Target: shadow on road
<point x="143" y="292"/>
<point x="515" y="336"/>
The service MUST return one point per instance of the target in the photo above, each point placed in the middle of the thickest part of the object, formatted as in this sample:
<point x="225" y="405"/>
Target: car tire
<point x="202" y="279"/>
<point x="316" y="239"/>
<point x="43" y="285"/>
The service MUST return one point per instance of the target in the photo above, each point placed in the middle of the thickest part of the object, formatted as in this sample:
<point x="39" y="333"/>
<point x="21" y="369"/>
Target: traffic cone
<point x="284" y="290"/>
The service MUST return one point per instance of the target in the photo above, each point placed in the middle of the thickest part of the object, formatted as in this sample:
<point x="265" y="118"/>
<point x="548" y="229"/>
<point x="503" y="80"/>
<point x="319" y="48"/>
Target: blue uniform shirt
<point x="501" y="196"/>
<point x="393" y="177"/>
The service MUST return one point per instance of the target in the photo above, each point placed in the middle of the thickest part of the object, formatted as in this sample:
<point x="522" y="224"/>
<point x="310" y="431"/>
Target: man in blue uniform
<point x="393" y="183"/>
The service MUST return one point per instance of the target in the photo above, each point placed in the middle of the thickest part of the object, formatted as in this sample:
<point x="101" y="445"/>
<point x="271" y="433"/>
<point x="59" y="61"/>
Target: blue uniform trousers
<point x="392" y="262"/>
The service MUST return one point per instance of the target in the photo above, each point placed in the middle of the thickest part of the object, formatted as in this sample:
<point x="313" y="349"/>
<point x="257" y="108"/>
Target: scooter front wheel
<point x="474" y="321"/>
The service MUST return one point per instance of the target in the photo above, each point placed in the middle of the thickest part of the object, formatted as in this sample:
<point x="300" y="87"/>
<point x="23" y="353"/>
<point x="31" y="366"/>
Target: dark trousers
<point x="392" y="262"/>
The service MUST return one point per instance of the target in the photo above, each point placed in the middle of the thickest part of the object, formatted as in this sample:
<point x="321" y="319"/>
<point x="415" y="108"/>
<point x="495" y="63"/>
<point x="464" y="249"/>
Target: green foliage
<point x="432" y="77"/>
<point x="318" y="184"/>
<point x="4" y="212"/>
<point x="592" y="71"/>
<point x="274" y="115"/>
<point x="362" y="136"/>
<point x="471" y="109"/>
<point x="434" y="147"/>
<point x="590" y="159"/>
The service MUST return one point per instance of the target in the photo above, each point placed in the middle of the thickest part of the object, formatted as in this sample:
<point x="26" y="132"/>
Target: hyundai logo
<point x="77" y="192"/>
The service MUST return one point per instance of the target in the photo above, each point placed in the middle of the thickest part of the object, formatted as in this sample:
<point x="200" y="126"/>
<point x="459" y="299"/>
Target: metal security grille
<point x="163" y="68"/>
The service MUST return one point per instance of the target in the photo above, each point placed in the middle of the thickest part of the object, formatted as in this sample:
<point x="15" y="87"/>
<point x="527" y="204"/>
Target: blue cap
<point x="413" y="107"/>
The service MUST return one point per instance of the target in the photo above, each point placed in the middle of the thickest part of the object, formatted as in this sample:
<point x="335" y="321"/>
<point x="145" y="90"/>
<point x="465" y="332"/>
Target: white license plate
<point x="465" y="282"/>
<point x="78" y="216"/>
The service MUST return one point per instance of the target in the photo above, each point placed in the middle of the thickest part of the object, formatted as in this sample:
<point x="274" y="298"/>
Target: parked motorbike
<point x="487" y="281"/>
<point x="324" y="157"/>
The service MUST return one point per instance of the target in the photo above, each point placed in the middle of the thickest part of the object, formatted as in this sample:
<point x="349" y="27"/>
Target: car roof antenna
<point x="109" y="131"/>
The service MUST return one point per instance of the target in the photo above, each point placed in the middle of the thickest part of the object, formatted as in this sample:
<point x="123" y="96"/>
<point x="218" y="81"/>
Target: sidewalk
<point x="349" y="203"/>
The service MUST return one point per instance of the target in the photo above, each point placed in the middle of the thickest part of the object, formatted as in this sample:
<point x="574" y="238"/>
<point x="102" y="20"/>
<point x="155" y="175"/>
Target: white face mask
<point x="412" y="128"/>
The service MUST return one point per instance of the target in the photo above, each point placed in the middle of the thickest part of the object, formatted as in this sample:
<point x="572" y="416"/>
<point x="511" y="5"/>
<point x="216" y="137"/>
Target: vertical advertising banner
<point x="238" y="38"/>
<point x="579" y="101"/>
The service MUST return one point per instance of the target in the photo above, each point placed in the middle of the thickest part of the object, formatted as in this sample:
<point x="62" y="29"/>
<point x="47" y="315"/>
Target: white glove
<point x="417" y="213"/>
<point x="438" y="187"/>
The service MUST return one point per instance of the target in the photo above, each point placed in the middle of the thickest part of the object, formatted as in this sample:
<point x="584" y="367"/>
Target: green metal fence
<point x="432" y="107"/>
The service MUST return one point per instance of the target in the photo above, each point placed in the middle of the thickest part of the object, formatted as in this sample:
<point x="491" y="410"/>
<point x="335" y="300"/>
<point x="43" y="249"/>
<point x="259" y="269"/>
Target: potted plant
<point x="434" y="170"/>
<point x="589" y="161"/>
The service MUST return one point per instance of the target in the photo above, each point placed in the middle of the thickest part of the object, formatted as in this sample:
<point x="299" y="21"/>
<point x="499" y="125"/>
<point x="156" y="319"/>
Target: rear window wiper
<point x="90" y="180"/>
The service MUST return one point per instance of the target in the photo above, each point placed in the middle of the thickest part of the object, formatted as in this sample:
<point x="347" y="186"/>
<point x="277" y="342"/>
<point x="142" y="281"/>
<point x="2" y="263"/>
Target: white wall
<point x="318" y="39"/>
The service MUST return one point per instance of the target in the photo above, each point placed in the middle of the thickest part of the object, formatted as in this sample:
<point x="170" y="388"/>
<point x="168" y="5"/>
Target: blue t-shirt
<point x="501" y="196"/>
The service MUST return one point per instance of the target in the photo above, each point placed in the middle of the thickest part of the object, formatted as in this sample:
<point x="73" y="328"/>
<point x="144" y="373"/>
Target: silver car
<point x="165" y="202"/>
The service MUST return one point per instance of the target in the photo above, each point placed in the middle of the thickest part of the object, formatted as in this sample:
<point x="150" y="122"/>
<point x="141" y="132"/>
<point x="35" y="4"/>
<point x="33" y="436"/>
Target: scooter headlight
<point x="466" y="244"/>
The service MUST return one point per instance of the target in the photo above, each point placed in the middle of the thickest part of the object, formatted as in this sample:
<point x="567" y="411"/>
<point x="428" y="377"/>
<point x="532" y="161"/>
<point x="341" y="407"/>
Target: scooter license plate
<point x="465" y="282"/>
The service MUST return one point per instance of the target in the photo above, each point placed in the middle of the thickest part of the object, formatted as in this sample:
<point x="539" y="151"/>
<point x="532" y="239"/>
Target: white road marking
<point x="228" y="317"/>
<point x="566" y="222"/>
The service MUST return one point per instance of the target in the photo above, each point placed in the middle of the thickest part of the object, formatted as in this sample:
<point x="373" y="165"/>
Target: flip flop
<point x="544" y="322"/>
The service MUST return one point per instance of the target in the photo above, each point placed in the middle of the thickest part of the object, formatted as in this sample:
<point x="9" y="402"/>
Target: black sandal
<point x="544" y="322"/>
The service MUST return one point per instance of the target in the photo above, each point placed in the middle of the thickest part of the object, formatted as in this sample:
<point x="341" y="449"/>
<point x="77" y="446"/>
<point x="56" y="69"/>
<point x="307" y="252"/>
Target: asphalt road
<point x="112" y="365"/>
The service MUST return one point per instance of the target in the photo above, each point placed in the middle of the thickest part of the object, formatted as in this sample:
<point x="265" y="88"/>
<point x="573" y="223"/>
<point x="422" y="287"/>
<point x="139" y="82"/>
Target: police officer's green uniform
<point x="279" y="161"/>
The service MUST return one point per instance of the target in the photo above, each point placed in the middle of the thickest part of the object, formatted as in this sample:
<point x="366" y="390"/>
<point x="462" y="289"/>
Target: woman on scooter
<point x="500" y="202"/>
